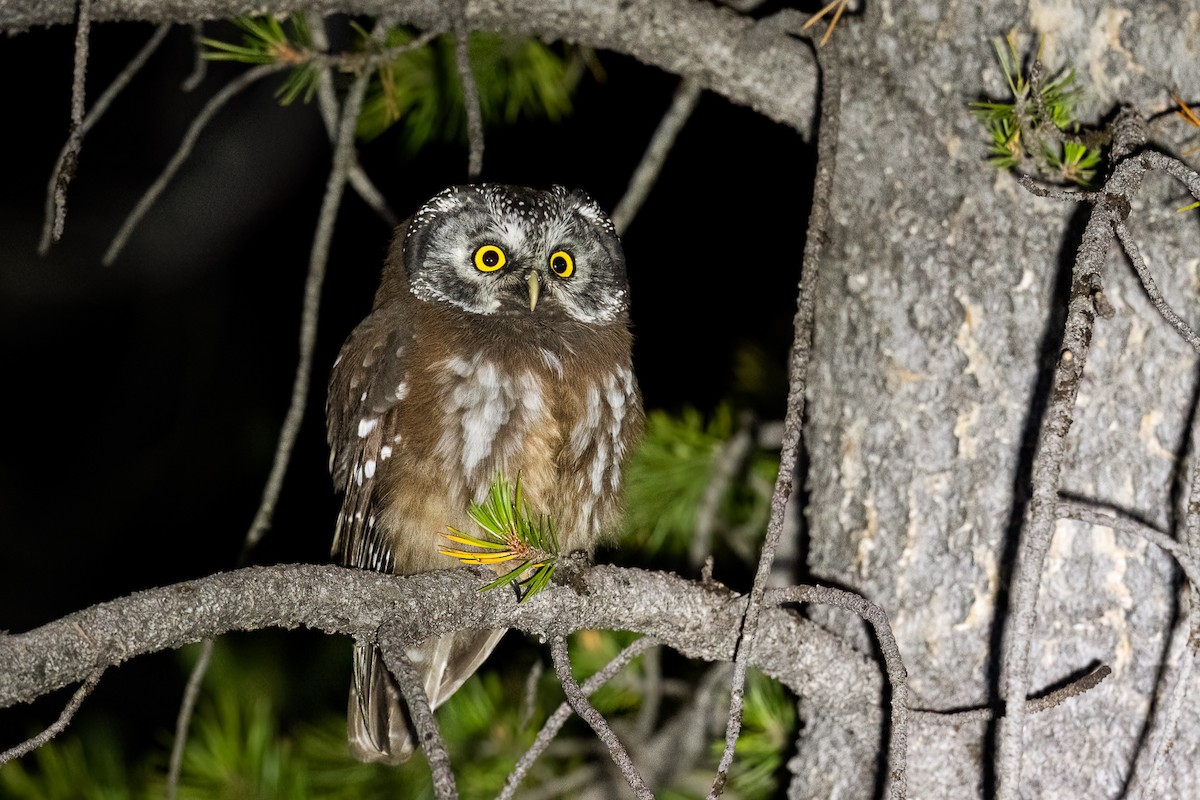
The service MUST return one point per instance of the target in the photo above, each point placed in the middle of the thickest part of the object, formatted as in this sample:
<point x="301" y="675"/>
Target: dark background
<point x="143" y="400"/>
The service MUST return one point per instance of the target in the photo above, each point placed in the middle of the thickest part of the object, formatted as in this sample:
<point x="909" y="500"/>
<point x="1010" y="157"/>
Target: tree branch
<point x="71" y="147"/>
<point x="700" y="621"/>
<point x="1051" y="446"/>
<point x="391" y="646"/>
<point x="814" y="245"/>
<point x="772" y="73"/>
<point x="60" y="724"/>
<point x="578" y="700"/>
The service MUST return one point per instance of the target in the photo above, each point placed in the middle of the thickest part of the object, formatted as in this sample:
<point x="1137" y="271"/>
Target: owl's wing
<point x="362" y="411"/>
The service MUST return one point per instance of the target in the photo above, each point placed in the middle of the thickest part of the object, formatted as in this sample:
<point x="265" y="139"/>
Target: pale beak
<point x="534" y="289"/>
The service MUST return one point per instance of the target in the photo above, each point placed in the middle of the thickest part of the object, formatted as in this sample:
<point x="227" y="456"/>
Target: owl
<point x="498" y="345"/>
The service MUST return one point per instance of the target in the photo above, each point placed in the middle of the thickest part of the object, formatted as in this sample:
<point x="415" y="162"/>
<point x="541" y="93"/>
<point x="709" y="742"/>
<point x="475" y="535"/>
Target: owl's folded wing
<point x="365" y="393"/>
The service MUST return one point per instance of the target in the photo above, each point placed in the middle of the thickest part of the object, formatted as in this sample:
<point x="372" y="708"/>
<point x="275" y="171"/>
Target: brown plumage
<point x="498" y="344"/>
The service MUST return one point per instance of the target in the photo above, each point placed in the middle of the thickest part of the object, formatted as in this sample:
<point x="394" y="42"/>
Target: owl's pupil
<point x="491" y="258"/>
<point x="560" y="264"/>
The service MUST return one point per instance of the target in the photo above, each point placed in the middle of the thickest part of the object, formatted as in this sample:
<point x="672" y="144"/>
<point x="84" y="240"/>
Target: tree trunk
<point x="938" y="324"/>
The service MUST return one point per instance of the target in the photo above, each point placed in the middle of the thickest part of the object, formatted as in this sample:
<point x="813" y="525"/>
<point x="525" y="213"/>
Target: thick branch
<point x="770" y="72"/>
<point x="700" y="621"/>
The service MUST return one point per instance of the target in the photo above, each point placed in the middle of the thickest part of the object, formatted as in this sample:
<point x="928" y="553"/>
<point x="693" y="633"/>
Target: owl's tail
<point x="378" y="723"/>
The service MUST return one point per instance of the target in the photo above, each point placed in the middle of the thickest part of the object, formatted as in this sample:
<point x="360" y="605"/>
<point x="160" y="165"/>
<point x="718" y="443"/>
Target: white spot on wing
<point x="366" y="425"/>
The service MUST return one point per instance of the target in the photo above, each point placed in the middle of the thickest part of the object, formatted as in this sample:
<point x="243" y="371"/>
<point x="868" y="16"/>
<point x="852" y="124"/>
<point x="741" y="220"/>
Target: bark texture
<point x="939" y="320"/>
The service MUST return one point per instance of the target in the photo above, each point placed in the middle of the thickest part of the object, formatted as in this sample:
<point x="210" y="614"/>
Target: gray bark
<point x="937" y="313"/>
<point x="938" y="299"/>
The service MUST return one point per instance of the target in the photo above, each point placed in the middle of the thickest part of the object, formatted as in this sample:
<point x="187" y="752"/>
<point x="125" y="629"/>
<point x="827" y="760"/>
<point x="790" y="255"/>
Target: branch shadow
<point x="1049" y="346"/>
<point x="1176" y="498"/>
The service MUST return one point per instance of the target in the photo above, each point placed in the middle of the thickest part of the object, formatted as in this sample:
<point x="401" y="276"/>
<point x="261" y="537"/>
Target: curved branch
<point x="700" y="621"/>
<point x="748" y="62"/>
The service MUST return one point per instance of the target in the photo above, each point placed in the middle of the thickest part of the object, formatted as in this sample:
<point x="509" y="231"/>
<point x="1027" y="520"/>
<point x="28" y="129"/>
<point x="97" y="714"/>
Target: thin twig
<point x="290" y="429"/>
<point x="1187" y="631"/>
<point x="585" y="710"/>
<point x="1163" y="735"/>
<point x="1050" y="451"/>
<point x="330" y="109"/>
<point x="814" y="245"/>
<point x="555" y="721"/>
<point x="462" y="60"/>
<point x="648" y="169"/>
<point x="183" y="720"/>
<point x="70" y="156"/>
<point x="727" y="462"/>
<point x="1033" y="706"/>
<point x="200" y="67"/>
<point x="60" y="724"/>
<point x="680" y="744"/>
<point x="893" y="662"/>
<point x="1175" y="168"/>
<point x="90" y="119"/>
<point x="1054" y="193"/>
<point x="214" y="105"/>
<point x="652" y="694"/>
<point x="1082" y="512"/>
<point x="1143" y="273"/>
<point x="412" y="686"/>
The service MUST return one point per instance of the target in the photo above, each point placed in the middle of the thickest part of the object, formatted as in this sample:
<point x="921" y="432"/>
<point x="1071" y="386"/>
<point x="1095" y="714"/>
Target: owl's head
<point x="508" y="250"/>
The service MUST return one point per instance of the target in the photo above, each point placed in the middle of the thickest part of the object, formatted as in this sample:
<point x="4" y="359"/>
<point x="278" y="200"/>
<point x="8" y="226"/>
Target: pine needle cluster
<point x="511" y="533"/>
<point x="415" y="89"/>
<point x="1035" y="129"/>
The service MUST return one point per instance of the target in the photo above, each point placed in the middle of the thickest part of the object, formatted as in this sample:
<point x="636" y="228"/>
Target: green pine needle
<point x="266" y="41"/>
<point x="1009" y="124"/>
<point x="513" y="533"/>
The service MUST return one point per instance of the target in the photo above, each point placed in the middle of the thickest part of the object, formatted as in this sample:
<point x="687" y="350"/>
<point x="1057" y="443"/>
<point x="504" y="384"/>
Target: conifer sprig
<point x="512" y="533"/>
<point x="266" y="41"/>
<point x="1037" y="125"/>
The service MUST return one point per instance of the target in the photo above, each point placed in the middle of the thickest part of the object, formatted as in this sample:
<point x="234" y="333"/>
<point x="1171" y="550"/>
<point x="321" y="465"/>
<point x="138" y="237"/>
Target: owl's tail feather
<point x="378" y="723"/>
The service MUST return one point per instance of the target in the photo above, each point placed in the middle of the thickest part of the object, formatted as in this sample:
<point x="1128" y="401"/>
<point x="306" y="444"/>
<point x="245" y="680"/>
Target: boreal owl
<point x="498" y="345"/>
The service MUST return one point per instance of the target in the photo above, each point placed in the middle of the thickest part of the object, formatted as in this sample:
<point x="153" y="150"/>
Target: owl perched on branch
<point x="498" y="345"/>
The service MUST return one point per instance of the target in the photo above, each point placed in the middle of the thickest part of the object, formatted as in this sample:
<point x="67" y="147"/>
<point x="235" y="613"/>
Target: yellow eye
<point x="562" y="264"/>
<point x="489" y="258"/>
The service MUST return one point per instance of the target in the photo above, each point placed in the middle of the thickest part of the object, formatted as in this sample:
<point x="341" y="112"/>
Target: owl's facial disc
<point x="513" y="251"/>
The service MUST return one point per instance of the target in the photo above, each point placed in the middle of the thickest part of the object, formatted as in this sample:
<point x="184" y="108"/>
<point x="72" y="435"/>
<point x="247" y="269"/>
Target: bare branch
<point x="1082" y="512"/>
<point x="342" y="155"/>
<point x="1167" y="722"/>
<point x="726" y="463"/>
<point x="1051" y="448"/>
<point x="330" y="109"/>
<point x="894" y="663"/>
<point x="391" y="646"/>
<point x="700" y="621"/>
<point x="214" y="105"/>
<point x="1175" y="168"/>
<point x="93" y="116"/>
<point x="814" y="245"/>
<point x="579" y="702"/>
<point x="555" y="721"/>
<point x="1143" y="273"/>
<point x="1032" y="705"/>
<point x="69" y="159"/>
<point x="462" y="60"/>
<point x="183" y="720"/>
<point x="60" y="724"/>
<point x="200" y="67"/>
<point x="772" y="73"/>
<point x="1054" y="193"/>
<point x="648" y="169"/>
